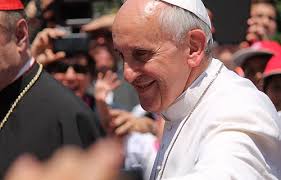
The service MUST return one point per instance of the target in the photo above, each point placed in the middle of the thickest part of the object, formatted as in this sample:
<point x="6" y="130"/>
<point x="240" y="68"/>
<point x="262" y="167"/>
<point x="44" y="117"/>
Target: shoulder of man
<point x="73" y="115"/>
<point x="238" y="103"/>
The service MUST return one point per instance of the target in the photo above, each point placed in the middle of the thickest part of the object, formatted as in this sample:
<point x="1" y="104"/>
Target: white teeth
<point x="144" y="84"/>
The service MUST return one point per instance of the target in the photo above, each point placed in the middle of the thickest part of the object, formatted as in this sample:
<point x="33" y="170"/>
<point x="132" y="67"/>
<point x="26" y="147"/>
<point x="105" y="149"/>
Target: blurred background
<point x="72" y="39"/>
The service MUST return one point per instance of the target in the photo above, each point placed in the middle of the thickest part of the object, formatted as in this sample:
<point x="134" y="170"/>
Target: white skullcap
<point x="195" y="6"/>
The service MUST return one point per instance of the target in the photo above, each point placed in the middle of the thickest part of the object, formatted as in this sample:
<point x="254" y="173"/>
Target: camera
<point x="72" y="43"/>
<point x="71" y="15"/>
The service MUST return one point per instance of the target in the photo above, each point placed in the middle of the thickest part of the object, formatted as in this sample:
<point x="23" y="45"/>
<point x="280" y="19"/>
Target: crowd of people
<point x="152" y="96"/>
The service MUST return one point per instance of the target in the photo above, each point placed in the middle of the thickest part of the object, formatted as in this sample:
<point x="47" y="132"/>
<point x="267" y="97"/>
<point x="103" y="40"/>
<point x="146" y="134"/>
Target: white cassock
<point x="220" y="128"/>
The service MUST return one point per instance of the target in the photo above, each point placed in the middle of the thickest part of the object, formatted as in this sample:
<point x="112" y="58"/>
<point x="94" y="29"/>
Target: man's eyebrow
<point x="144" y="50"/>
<point x="141" y="48"/>
<point x="134" y="47"/>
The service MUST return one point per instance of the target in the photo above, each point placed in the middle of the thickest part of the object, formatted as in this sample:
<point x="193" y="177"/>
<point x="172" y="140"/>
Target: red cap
<point x="6" y="5"/>
<point x="266" y="48"/>
<point x="268" y="45"/>
<point x="273" y="66"/>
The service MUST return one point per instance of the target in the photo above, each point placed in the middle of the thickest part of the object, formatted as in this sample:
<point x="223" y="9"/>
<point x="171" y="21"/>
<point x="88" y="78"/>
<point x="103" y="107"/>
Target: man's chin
<point x="150" y="105"/>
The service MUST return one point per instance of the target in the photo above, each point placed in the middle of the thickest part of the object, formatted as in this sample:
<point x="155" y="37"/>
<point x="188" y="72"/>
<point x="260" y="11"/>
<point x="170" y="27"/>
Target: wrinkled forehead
<point x="137" y="18"/>
<point x="136" y="11"/>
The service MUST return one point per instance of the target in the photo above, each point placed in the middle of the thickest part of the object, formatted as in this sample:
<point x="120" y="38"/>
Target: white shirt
<point x="233" y="133"/>
<point x="25" y="68"/>
<point x="141" y="150"/>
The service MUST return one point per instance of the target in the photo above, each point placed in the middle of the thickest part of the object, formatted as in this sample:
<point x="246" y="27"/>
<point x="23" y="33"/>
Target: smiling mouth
<point x="143" y="87"/>
<point x="73" y="88"/>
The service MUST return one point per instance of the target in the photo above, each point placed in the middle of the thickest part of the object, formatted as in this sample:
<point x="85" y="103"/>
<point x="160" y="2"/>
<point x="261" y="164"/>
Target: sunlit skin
<point x="265" y="15"/>
<point x="273" y="90"/>
<point x="154" y="64"/>
<point x="13" y="50"/>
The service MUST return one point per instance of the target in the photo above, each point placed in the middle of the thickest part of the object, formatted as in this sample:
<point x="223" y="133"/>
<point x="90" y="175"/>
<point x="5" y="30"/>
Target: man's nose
<point x="266" y="21"/>
<point x="130" y="73"/>
<point x="70" y="73"/>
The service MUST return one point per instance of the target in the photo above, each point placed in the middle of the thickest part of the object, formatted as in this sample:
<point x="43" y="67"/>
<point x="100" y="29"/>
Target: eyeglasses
<point x="61" y="67"/>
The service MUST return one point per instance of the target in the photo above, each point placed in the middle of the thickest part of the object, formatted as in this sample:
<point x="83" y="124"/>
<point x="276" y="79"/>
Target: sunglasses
<point x="61" y="67"/>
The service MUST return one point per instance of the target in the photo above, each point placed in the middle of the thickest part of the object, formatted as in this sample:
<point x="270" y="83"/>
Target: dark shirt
<point x="47" y="117"/>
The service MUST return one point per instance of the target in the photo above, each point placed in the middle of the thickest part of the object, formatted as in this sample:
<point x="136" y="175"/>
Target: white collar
<point x="185" y="103"/>
<point x="25" y="68"/>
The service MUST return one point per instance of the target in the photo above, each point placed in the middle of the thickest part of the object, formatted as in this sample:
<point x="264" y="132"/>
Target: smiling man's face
<point x="154" y="64"/>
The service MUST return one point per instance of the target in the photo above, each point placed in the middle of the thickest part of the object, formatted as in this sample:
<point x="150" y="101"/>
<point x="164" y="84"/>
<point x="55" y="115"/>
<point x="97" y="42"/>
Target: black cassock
<point x="47" y="117"/>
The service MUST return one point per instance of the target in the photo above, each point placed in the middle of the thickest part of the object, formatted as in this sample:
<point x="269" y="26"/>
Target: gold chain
<point x="30" y="84"/>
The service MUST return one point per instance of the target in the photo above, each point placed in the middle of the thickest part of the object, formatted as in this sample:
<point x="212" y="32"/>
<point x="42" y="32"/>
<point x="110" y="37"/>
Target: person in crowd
<point x="272" y="81"/>
<point x="38" y="115"/>
<point x="217" y="124"/>
<point x="262" y="21"/>
<point x="74" y="72"/>
<point x="139" y="132"/>
<point x="253" y="60"/>
<point x="104" y="57"/>
<point x="45" y="12"/>
<point x="74" y="69"/>
<point x="102" y="52"/>
<point x="121" y="97"/>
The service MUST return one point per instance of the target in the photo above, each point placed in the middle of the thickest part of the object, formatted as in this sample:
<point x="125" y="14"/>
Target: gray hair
<point x="177" y="21"/>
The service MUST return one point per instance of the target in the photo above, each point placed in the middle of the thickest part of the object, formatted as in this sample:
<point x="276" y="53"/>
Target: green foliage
<point x="106" y="7"/>
<point x="277" y="37"/>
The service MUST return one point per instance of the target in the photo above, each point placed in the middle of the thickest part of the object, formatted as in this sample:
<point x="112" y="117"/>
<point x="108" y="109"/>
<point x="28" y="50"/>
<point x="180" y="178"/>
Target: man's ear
<point x="21" y="34"/>
<point x="196" y="39"/>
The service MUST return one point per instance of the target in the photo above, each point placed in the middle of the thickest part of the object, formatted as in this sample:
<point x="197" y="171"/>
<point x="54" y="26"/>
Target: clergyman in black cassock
<point x="47" y="117"/>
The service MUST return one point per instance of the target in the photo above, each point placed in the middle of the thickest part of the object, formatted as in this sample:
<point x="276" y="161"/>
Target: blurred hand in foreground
<point x="102" y="161"/>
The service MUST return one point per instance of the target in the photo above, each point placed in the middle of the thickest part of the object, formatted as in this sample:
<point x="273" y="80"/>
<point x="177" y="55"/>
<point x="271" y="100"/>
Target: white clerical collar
<point x="185" y="103"/>
<point x="25" y="68"/>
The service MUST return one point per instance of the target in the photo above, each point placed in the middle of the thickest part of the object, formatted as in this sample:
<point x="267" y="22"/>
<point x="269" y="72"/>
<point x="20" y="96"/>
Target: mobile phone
<point x="72" y="43"/>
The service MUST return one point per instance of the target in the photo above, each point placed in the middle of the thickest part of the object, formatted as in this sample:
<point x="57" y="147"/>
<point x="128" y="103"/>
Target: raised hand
<point x="42" y="47"/>
<point x="105" y="84"/>
<point x="124" y="122"/>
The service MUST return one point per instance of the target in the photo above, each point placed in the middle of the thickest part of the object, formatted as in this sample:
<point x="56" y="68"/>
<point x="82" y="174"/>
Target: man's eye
<point x="271" y="18"/>
<point x="142" y="55"/>
<point x="139" y="53"/>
